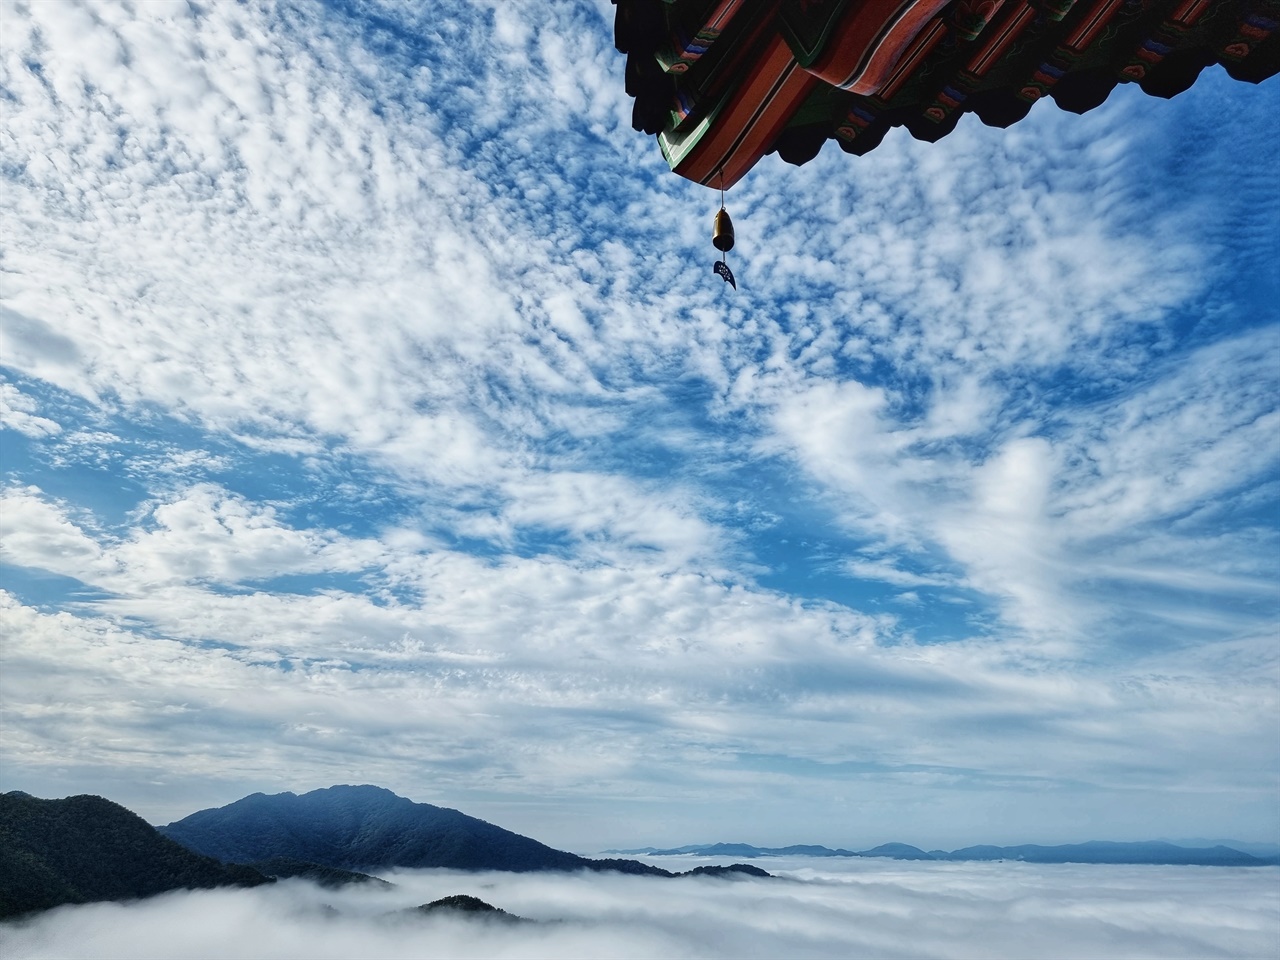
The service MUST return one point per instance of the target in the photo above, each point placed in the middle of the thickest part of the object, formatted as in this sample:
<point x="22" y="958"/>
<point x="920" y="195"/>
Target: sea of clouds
<point x="812" y="909"/>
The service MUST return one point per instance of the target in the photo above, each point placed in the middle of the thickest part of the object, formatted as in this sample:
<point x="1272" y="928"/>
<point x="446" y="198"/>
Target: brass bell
<point x="722" y="235"/>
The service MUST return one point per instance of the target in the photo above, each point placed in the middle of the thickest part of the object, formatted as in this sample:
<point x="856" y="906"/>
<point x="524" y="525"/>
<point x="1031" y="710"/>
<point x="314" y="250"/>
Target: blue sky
<point x="371" y="414"/>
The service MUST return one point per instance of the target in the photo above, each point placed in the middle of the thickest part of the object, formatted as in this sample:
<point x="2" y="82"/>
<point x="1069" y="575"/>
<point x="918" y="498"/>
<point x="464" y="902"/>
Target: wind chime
<point x="722" y="238"/>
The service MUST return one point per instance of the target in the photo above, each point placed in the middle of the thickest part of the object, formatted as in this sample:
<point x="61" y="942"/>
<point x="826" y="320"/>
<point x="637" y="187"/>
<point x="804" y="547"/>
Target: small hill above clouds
<point x="355" y="827"/>
<point x="84" y="849"/>
<point x="463" y="905"/>
<point x="732" y="872"/>
<point x="897" y="851"/>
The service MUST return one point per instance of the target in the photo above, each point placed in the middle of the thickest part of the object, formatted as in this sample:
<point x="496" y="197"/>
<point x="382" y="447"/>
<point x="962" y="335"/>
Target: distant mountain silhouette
<point x="737" y="850"/>
<point x="1269" y="852"/>
<point x="1106" y="851"/>
<point x="1095" y="851"/>
<point x="897" y="851"/>
<point x="84" y="849"/>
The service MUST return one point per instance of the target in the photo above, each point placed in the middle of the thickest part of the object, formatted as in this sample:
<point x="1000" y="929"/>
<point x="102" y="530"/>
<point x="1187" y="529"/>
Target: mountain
<point x="738" y="850"/>
<point x="83" y="849"/>
<point x="1106" y="851"/>
<point x="731" y="872"/>
<point x="897" y="851"/>
<point x="361" y="827"/>
<point x="1263" y="851"/>
<point x="461" y="904"/>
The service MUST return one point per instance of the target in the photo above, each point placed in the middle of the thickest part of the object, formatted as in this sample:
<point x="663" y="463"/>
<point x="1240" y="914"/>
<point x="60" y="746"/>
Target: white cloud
<point x="1032" y="518"/>
<point x="37" y="533"/>
<point x="203" y="535"/>
<point x="886" y="571"/>
<point x="1198" y="434"/>
<point x="209" y="535"/>
<point x="599" y="681"/>
<point x="1003" y="536"/>
<point x="18" y="412"/>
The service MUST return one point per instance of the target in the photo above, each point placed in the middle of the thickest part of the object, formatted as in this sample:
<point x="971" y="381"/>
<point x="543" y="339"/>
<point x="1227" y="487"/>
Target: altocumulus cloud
<point x="370" y="414"/>
<point x="880" y="910"/>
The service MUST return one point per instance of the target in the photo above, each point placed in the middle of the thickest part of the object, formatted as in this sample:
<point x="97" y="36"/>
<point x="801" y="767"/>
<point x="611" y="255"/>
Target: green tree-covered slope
<point x="85" y="848"/>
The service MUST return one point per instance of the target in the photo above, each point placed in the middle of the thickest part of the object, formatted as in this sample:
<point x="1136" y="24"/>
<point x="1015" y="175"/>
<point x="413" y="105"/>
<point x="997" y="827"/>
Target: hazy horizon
<point x="371" y="414"/>
<point x="854" y="845"/>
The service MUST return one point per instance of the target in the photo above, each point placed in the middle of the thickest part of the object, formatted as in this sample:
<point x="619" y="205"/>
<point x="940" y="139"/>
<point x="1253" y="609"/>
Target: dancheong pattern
<point x="723" y="82"/>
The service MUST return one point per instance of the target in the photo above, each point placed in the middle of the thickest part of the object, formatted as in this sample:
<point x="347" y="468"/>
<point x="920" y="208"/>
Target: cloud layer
<point x="859" y="909"/>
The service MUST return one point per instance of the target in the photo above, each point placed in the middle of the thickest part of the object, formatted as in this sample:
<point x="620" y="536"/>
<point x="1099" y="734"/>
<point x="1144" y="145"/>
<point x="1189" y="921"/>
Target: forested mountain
<point x="464" y="905"/>
<point x="361" y="827"/>
<point x="85" y="848"/>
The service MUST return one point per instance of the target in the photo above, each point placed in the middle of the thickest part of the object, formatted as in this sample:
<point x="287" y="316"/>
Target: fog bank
<point x="826" y="909"/>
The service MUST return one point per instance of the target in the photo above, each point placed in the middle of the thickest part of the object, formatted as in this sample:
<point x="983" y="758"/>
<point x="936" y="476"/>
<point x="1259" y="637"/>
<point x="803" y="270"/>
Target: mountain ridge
<point x="86" y="848"/>
<point x="1092" y="851"/>
<point x="366" y="827"/>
